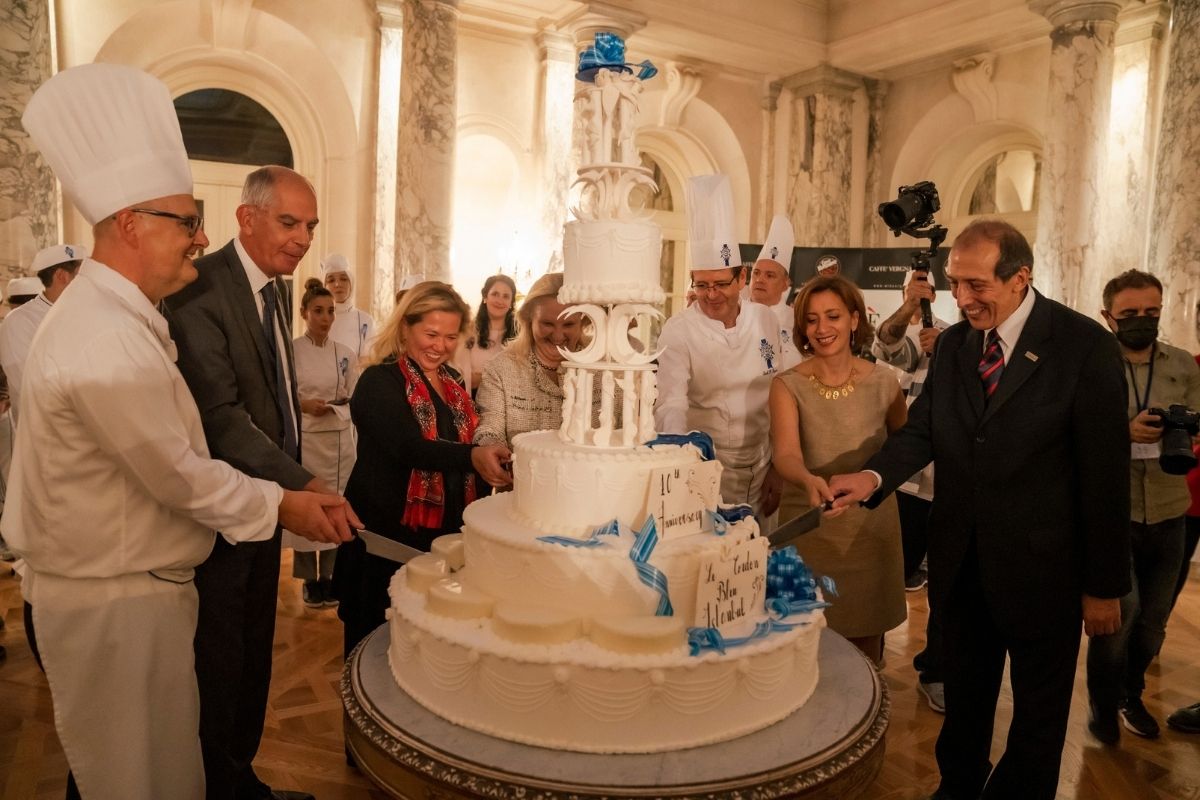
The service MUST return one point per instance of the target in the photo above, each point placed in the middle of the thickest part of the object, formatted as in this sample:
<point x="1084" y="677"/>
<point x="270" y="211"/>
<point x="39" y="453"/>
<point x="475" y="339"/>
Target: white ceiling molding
<point x="973" y="80"/>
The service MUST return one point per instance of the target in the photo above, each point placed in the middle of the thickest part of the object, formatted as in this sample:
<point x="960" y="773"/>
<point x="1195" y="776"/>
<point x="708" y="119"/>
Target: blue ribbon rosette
<point x="607" y="51"/>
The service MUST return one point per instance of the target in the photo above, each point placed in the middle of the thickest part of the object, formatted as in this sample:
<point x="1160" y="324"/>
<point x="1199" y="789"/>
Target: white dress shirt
<point x="1009" y="331"/>
<point x="258" y="279"/>
<point x="111" y="474"/>
<point x="16" y="335"/>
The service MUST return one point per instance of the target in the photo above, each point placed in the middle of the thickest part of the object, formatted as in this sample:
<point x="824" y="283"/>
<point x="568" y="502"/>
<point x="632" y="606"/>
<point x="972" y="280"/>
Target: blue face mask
<point x="1137" y="333"/>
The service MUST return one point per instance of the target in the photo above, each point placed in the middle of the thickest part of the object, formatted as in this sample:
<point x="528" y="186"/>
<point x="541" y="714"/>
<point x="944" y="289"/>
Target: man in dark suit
<point x="1024" y="414"/>
<point x="235" y="353"/>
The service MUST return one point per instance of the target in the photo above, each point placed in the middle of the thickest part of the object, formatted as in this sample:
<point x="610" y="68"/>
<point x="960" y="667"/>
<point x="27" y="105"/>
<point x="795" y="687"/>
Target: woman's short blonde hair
<point x="422" y="299"/>
<point x="545" y="287"/>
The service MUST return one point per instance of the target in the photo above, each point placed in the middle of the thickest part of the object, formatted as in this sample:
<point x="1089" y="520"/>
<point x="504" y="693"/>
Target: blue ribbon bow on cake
<point x="608" y="52"/>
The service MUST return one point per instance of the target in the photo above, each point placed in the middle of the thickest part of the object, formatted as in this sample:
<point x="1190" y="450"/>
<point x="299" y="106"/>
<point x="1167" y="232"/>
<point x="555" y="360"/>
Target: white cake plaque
<point x="730" y="591"/>
<point x="680" y="496"/>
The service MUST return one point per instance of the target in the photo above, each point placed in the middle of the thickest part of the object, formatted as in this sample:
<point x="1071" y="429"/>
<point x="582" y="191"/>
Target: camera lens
<point x="902" y="211"/>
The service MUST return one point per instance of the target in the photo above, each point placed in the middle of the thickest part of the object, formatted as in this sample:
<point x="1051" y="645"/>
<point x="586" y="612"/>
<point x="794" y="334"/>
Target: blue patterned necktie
<point x="282" y="395"/>
<point x="991" y="366"/>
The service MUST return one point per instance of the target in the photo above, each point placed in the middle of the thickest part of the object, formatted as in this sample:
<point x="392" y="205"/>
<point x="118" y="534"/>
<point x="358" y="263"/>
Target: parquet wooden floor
<point x="302" y="747"/>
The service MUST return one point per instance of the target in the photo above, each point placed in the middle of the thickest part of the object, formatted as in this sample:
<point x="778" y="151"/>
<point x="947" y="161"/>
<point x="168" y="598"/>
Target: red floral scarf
<point x="425" y="498"/>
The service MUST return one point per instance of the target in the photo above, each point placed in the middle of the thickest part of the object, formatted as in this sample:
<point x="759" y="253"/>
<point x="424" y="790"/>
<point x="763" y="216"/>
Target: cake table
<point x="831" y="748"/>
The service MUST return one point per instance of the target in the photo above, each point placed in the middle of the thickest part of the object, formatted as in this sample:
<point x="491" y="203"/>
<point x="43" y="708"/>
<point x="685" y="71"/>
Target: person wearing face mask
<point x="521" y="388"/>
<point x="1157" y="376"/>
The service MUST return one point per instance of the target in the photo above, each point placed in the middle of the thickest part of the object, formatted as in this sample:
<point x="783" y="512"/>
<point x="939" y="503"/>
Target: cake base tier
<point x="831" y="748"/>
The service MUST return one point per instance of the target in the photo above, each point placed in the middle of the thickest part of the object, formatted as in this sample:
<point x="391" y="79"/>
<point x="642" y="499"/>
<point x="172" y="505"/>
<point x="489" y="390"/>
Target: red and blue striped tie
<point x="991" y="366"/>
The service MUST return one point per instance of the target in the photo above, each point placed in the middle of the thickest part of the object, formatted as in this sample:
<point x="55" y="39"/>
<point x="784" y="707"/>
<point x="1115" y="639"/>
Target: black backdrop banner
<point x="867" y="267"/>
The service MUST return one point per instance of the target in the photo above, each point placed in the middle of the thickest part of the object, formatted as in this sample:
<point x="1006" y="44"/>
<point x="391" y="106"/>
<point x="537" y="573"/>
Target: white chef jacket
<point x="325" y="372"/>
<point x="717" y="379"/>
<point x="352" y="327"/>
<point x="112" y="502"/>
<point x="111" y="473"/>
<point x="790" y="355"/>
<point x="16" y="334"/>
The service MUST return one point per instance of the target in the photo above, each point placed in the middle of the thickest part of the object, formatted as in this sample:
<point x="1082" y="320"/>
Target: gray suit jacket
<point x="223" y="357"/>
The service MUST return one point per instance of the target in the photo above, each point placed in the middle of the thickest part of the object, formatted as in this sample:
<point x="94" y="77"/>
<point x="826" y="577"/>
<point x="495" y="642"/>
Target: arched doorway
<point x="227" y="135"/>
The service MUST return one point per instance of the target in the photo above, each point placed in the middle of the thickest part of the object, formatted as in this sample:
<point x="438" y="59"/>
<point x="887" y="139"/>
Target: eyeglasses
<point x="719" y="286"/>
<point x="192" y="223"/>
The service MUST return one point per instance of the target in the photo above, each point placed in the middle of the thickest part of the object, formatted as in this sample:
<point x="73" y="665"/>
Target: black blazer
<point x="223" y="357"/>
<point x="390" y="446"/>
<point x="1036" y="479"/>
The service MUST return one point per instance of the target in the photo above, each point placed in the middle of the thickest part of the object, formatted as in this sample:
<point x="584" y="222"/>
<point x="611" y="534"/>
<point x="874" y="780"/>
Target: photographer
<point x="903" y="342"/>
<point x="1157" y="376"/>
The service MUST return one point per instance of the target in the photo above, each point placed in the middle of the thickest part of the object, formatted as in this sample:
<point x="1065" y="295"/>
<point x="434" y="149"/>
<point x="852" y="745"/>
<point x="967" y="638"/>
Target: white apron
<point x="119" y="660"/>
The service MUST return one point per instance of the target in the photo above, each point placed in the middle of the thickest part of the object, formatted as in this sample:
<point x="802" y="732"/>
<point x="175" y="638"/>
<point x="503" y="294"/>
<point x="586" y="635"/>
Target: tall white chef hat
<point x="409" y="281"/>
<point x="334" y="263"/>
<point x="58" y="254"/>
<point x="779" y="243"/>
<point x="711" y="237"/>
<point x="111" y="136"/>
<point x="23" y="287"/>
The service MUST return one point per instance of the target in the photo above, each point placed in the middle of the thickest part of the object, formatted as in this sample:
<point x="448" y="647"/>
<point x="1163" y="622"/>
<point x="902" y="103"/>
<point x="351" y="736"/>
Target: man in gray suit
<point x="235" y="353"/>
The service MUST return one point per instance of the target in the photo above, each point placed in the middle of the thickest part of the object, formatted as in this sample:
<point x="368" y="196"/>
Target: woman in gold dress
<point x="829" y="414"/>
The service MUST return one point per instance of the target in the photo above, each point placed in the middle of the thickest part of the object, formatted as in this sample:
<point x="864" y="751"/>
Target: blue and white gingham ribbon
<point x="703" y="639"/>
<point x="649" y="574"/>
<point x="593" y="539"/>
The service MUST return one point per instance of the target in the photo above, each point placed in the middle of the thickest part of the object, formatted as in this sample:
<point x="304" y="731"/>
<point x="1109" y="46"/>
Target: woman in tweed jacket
<point x="521" y="389"/>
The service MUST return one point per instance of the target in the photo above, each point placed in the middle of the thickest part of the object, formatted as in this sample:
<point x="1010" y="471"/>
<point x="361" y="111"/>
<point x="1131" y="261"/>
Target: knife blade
<point x="390" y="549"/>
<point x="793" y="529"/>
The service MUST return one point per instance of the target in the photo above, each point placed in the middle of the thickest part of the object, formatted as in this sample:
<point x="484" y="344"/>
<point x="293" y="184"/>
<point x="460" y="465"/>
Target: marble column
<point x="766" y="166"/>
<point x="1129" y="148"/>
<point x="557" y="54"/>
<point x="875" y="233"/>
<point x="427" y="134"/>
<point x="1174" y="254"/>
<point x="1073" y="162"/>
<point x="386" y="273"/>
<point x="29" y="204"/>
<point x="819" y="155"/>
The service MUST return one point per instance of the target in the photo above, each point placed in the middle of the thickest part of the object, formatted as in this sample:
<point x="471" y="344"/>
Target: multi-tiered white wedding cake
<point x="609" y="603"/>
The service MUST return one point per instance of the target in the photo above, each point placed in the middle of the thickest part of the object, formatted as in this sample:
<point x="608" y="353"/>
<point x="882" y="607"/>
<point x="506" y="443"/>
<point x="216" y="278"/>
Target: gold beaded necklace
<point x="833" y="392"/>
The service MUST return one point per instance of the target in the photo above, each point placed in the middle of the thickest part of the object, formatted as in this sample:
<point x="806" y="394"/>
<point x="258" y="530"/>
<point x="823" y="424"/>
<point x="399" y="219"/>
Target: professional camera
<point x="913" y="208"/>
<point x="912" y="213"/>
<point x="1180" y="424"/>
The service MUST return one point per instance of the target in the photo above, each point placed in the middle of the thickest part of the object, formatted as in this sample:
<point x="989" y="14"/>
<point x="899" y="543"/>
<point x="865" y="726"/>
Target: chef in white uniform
<point x="55" y="267"/>
<point x="720" y="354"/>
<point x="352" y="326"/>
<point x="113" y="498"/>
<point x="770" y="282"/>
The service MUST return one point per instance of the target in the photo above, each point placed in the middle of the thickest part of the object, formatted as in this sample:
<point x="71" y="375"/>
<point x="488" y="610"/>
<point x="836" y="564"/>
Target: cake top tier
<point x="607" y="103"/>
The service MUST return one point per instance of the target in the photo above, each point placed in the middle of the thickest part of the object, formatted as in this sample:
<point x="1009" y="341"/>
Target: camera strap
<point x="1143" y="402"/>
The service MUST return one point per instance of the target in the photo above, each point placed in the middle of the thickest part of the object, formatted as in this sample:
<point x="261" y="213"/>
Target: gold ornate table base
<point x="831" y="748"/>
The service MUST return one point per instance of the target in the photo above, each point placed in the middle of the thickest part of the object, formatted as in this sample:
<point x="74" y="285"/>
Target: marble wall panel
<point x="427" y="133"/>
<point x="556" y="135"/>
<point x="1174" y="254"/>
<point x="875" y="233"/>
<point x="386" y="278"/>
<point x="1069" y="212"/>
<point x="819" y="166"/>
<point x="28" y="192"/>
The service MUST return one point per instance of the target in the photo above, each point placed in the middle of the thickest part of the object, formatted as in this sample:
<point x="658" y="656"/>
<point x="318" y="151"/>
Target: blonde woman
<point x="417" y="468"/>
<point x="521" y="388"/>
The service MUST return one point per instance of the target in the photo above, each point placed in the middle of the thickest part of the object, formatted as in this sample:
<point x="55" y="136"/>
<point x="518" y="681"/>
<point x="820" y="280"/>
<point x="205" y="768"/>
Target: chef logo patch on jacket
<point x="768" y="356"/>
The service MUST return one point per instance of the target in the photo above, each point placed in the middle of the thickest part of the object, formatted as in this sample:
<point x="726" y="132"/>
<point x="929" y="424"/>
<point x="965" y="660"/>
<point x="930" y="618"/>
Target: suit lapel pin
<point x="1031" y="356"/>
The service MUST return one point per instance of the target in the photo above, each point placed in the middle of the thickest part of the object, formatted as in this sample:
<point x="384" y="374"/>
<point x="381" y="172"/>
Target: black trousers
<point x="360" y="584"/>
<point x="914" y="528"/>
<point x="1042" y="673"/>
<point x="238" y="586"/>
